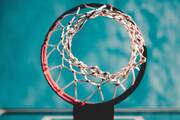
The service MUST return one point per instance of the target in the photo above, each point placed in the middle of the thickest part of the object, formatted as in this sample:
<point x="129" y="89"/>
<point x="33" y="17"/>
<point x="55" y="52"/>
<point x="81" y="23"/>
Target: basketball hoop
<point x="78" y="17"/>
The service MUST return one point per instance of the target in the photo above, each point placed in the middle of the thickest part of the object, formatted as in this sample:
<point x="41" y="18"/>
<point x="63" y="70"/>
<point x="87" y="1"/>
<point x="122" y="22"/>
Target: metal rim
<point x="71" y="99"/>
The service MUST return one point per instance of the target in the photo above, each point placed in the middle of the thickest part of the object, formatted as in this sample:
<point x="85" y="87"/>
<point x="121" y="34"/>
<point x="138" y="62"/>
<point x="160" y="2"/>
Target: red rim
<point x="60" y="92"/>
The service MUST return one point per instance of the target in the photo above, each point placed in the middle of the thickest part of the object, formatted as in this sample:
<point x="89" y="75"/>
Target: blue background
<point x="24" y="25"/>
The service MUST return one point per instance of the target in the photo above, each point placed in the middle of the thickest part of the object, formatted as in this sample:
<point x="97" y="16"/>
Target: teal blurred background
<point x="24" y="25"/>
